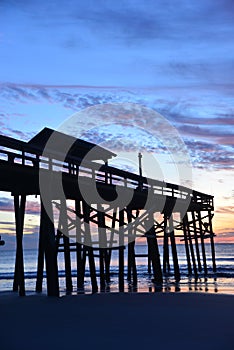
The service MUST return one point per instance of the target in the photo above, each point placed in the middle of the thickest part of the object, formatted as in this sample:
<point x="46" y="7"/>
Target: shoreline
<point x="209" y="286"/>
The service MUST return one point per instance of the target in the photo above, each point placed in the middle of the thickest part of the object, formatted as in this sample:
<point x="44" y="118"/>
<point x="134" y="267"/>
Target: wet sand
<point x="117" y="321"/>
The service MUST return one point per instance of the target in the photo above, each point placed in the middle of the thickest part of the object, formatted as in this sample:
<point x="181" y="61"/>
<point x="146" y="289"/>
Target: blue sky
<point x="176" y="57"/>
<point x="124" y="43"/>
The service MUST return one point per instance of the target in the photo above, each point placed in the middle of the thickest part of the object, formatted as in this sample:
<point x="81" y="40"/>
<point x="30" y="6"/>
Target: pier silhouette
<point x="89" y="218"/>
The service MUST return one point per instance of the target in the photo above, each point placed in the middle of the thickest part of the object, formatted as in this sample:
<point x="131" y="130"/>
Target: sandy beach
<point x="117" y="321"/>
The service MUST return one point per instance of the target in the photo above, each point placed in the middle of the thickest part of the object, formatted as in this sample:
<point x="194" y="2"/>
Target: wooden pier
<point x="94" y="230"/>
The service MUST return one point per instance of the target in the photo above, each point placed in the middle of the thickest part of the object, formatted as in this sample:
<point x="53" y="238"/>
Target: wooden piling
<point x="102" y="269"/>
<point x="80" y="277"/>
<point x="174" y="250"/>
<point x="154" y="251"/>
<point x="89" y="249"/>
<point x="149" y="257"/>
<point x="129" y="275"/>
<point x="212" y="241"/>
<point x="121" y="251"/>
<point x="113" y="224"/>
<point x="19" y="283"/>
<point x="67" y="260"/>
<point x="107" y="252"/>
<point x="102" y="245"/>
<point x="166" y="264"/>
<point x="186" y="246"/>
<point x="202" y="242"/>
<point x="107" y="263"/>
<point x="47" y="231"/>
<point x="196" y="242"/>
<point x="132" y="271"/>
<point x="63" y="228"/>
<point x="84" y="257"/>
<point x="191" y="245"/>
<point x="41" y="257"/>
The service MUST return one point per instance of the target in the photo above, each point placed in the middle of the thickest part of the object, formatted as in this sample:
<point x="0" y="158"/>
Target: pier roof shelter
<point x="77" y="148"/>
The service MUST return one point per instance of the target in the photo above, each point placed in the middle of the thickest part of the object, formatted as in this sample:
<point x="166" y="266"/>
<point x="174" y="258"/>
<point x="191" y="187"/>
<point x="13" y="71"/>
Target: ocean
<point x="220" y="282"/>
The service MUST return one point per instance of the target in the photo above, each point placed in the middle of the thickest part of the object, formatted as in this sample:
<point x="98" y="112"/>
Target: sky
<point x="174" y="57"/>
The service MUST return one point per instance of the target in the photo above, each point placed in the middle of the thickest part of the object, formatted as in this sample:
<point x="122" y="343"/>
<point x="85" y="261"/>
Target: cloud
<point x="203" y="122"/>
<point x="17" y="93"/>
<point x="222" y="119"/>
<point x="18" y="134"/>
<point x="7" y="204"/>
<point x="32" y="208"/>
<point x="227" y="140"/>
<point x="209" y="155"/>
<point x="206" y="131"/>
<point x="224" y="237"/>
<point x="225" y="210"/>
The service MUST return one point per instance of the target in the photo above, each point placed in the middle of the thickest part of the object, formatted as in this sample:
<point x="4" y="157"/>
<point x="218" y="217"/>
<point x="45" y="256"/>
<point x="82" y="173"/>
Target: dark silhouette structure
<point x="90" y="229"/>
<point x="2" y="242"/>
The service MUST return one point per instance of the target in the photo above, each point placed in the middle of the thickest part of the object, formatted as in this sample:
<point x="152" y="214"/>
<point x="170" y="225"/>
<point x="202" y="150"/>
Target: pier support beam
<point x="103" y="261"/>
<point x="79" y="262"/>
<point x="166" y="265"/>
<point x="89" y="248"/>
<point x="202" y="242"/>
<point x="196" y="242"/>
<point x="63" y="228"/>
<point x="48" y="238"/>
<point x="174" y="250"/>
<point x="132" y="271"/>
<point x="190" y="245"/>
<point x="19" y="283"/>
<point x="212" y="241"/>
<point x="41" y="256"/>
<point x="121" y="251"/>
<point x="186" y="246"/>
<point x="154" y="251"/>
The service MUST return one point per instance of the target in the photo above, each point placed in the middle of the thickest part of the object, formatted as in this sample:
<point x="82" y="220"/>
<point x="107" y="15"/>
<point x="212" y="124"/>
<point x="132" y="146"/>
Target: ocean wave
<point x="224" y="271"/>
